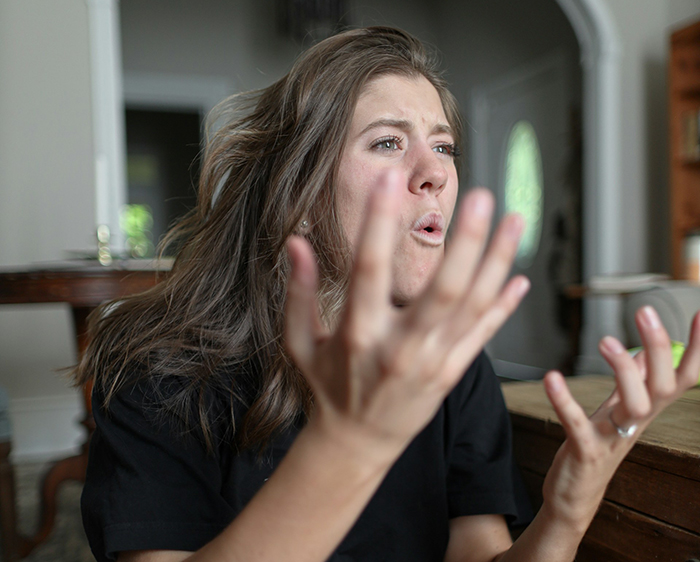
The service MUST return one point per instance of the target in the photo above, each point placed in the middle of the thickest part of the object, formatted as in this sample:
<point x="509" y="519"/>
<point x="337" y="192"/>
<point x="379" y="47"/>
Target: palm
<point x="384" y="371"/>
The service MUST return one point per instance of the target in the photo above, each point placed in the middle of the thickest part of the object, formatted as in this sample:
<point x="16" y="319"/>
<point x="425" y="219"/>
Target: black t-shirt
<point x="148" y="487"/>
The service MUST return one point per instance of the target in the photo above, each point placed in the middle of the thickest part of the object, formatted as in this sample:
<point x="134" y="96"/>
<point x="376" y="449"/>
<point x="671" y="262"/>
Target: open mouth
<point x="430" y="228"/>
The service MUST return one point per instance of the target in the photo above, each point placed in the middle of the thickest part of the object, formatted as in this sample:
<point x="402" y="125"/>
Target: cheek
<point x="352" y="195"/>
<point x="450" y="197"/>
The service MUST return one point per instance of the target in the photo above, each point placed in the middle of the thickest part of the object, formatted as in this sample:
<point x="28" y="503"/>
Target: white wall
<point x="235" y="40"/>
<point x="683" y="12"/>
<point x="45" y="139"/>
<point x="46" y="202"/>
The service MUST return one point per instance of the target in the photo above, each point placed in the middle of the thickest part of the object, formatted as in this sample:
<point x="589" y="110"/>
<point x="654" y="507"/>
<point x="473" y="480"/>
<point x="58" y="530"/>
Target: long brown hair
<point x="217" y="319"/>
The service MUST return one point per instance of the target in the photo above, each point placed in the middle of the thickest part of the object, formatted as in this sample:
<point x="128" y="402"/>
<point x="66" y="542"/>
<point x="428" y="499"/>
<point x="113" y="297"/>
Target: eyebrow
<point x="406" y="125"/>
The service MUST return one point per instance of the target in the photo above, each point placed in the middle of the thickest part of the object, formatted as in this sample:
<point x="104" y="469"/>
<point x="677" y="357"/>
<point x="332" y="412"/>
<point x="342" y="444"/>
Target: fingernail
<point x="650" y="317"/>
<point x="555" y="382"/>
<point x="523" y="287"/>
<point x="612" y="345"/>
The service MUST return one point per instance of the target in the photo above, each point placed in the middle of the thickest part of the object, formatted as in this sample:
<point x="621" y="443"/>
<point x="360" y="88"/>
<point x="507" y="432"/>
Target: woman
<point x="296" y="388"/>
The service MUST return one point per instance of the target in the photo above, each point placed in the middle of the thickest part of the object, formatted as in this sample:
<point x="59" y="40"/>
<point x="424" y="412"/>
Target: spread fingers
<point x="494" y="269"/>
<point x="634" y="398"/>
<point x="661" y="377"/>
<point x="570" y="414"/>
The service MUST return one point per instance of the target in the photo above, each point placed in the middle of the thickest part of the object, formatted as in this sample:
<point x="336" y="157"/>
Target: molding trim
<point x="107" y="116"/>
<point x="601" y="52"/>
<point x="150" y="90"/>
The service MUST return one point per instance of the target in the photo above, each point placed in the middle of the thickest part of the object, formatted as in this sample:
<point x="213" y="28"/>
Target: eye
<point x="447" y="149"/>
<point x="387" y="144"/>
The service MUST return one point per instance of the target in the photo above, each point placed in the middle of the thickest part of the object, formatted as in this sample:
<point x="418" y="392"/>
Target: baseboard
<point x="46" y="427"/>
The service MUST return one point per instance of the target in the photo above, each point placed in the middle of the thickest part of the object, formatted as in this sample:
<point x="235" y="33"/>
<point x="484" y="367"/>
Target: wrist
<point x="352" y="442"/>
<point x="310" y="501"/>
<point x="548" y="537"/>
<point x="560" y="519"/>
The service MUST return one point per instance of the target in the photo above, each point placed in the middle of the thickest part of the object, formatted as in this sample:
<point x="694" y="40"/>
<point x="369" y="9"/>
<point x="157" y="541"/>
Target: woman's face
<point x="399" y="123"/>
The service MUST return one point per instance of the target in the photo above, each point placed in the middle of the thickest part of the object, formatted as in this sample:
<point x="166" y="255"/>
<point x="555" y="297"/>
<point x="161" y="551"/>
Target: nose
<point x="429" y="172"/>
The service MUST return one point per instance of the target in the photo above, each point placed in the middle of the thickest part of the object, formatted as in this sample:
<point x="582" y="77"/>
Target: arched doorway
<point x="600" y="59"/>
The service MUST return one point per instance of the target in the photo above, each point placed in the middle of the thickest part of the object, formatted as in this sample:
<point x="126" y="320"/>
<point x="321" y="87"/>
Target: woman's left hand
<point x="595" y="446"/>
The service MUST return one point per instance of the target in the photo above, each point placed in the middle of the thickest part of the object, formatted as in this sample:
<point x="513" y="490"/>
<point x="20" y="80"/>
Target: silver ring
<point x="624" y="433"/>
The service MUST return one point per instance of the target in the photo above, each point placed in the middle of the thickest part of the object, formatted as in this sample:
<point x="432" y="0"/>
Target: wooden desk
<point x="651" y="509"/>
<point x="83" y="285"/>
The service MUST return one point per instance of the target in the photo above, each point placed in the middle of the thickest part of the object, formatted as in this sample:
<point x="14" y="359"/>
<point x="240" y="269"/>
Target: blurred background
<point x="102" y="102"/>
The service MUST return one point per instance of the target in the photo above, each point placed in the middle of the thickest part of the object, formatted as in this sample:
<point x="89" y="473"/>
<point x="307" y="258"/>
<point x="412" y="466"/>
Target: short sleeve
<point x="148" y="486"/>
<point x="482" y="476"/>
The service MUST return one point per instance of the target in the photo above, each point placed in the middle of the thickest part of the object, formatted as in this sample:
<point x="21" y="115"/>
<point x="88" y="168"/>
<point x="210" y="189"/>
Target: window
<point x="523" y="187"/>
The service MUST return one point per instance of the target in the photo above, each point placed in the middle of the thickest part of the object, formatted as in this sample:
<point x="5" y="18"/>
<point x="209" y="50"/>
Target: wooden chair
<point x="8" y="518"/>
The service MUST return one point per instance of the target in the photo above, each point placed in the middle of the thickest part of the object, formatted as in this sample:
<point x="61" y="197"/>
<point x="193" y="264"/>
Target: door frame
<point x="599" y="42"/>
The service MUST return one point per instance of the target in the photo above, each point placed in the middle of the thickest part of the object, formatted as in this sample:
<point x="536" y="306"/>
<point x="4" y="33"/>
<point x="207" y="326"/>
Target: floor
<point x="67" y="542"/>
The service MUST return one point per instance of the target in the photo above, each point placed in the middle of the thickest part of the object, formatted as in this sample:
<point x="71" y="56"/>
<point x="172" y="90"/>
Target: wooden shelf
<point x="690" y="163"/>
<point x="684" y="101"/>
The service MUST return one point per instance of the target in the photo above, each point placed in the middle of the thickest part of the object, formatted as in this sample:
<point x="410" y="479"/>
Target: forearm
<point x="306" y="507"/>
<point x="547" y="539"/>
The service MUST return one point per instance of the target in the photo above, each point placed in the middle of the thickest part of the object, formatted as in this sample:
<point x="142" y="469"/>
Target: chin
<point x="403" y="294"/>
<point x="412" y="277"/>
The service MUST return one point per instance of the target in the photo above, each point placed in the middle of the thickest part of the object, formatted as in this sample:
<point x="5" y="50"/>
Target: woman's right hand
<point x="381" y="374"/>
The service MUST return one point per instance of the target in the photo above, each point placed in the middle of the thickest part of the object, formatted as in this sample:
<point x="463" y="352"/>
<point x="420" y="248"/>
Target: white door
<point x="530" y="107"/>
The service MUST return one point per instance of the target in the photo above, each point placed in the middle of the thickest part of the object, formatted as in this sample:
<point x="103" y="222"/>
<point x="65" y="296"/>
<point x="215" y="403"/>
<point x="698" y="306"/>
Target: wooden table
<point x="84" y="285"/>
<point x="651" y="509"/>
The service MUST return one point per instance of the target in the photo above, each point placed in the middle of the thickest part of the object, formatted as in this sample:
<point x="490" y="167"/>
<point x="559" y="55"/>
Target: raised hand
<point x="595" y="446"/>
<point x="381" y="373"/>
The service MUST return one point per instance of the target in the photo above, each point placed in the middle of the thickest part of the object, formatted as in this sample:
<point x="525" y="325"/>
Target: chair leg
<point x="8" y="512"/>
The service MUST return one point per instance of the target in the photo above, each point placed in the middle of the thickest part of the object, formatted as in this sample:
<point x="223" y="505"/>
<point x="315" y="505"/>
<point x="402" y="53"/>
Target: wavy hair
<point x="217" y="319"/>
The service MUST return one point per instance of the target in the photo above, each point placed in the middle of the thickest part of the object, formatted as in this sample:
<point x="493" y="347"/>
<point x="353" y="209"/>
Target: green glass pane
<point x="523" y="187"/>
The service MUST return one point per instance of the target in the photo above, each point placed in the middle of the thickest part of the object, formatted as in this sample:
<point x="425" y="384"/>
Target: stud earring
<point x="305" y="224"/>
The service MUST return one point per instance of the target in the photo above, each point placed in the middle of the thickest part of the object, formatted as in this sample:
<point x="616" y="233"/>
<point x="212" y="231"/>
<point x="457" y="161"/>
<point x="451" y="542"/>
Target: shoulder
<point x="150" y="482"/>
<point x="475" y="411"/>
<point x="180" y="408"/>
<point x="479" y="381"/>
